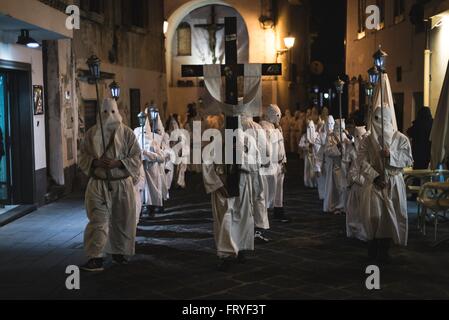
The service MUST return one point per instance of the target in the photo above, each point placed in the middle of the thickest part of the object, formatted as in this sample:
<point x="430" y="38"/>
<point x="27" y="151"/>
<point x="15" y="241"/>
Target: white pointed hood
<point x="111" y="120"/>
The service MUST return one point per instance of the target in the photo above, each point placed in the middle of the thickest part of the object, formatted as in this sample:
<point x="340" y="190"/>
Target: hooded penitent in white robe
<point x="183" y="156"/>
<point x="170" y="168"/>
<point x="308" y="145"/>
<point x="275" y="174"/>
<point x="337" y="166"/>
<point x="111" y="212"/>
<point x="323" y="133"/>
<point x="259" y="203"/>
<point x="356" y="184"/>
<point x="286" y="125"/>
<point x="233" y="216"/>
<point x="153" y="159"/>
<point x="295" y="132"/>
<point x="384" y="212"/>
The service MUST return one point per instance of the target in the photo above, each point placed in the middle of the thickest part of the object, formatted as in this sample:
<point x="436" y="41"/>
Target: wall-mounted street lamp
<point x="165" y="27"/>
<point x="289" y="43"/>
<point x="115" y="90"/>
<point x="266" y="22"/>
<point x="25" y="40"/>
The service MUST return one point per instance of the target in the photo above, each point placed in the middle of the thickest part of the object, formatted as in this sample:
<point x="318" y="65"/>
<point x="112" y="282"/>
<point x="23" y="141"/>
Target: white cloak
<point x="112" y="214"/>
<point x="275" y="175"/>
<point x="153" y="163"/>
<point x="336" y="167"/>
<point x="309" y="162"/>
<point x="384" y="212"/>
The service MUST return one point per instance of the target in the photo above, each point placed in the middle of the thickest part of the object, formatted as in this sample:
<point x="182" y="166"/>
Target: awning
<point x="440" y="129"/>
<point x="43" y="21"/>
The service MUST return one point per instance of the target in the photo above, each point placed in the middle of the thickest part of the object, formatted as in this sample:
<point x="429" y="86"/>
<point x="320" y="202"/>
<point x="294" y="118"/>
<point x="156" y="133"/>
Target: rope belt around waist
<point x="148" y="164"/>
<point x="111" y="179"/>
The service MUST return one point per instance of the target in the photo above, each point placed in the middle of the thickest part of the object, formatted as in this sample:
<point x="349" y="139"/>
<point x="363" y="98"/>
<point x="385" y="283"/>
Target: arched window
<point x="184" y="35"/>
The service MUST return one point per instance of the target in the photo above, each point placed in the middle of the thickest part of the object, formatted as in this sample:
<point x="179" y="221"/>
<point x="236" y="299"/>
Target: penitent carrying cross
<point x="231" y="70"/>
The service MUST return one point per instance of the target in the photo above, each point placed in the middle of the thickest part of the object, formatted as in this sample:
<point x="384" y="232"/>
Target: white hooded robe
<point x="233" y="217"/>
<point x="111" y="213"/>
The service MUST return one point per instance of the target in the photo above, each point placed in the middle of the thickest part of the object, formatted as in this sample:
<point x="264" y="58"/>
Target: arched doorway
<point x="189" y="42"/>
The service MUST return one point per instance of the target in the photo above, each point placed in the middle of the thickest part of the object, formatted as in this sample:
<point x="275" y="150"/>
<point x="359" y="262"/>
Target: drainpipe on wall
<point x="427" y="56"/>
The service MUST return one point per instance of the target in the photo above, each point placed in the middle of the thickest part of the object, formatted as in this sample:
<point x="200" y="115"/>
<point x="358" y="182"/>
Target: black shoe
<point x="93" y="265"/>
<point x="383" y="255"/>
<point x="372" y="250"/>
<point x="260" y="237"/>
<point x="280" y="216"/>
<point x="241" y="258"/>
<point x="119" y="259"/>
<point x="224" y="264"/>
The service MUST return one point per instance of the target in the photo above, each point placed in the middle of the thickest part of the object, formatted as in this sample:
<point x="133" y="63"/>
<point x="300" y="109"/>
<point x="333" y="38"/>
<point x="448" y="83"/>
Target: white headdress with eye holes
<point x="273" y="114"/>
<point x="375" y="122"/>
<point x="111" y="120"/>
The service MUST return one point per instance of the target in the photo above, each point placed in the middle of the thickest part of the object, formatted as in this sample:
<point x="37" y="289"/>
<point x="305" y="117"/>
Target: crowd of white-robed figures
<point x="129" y="168"/>
<point x="355" y="173"/>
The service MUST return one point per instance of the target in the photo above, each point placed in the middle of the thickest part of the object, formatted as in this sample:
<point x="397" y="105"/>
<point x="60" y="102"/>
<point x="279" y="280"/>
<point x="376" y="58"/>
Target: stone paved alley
<point x="308" y="259"/>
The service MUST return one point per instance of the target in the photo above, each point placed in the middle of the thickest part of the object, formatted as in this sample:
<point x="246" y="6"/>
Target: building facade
<point x="418" y="53"/>
<point x="23" y="168"/>
<point x="128" y="38"/>
<point x="264" y="25"/>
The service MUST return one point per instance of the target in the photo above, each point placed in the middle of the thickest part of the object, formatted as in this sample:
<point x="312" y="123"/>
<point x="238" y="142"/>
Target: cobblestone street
<point x="310" y="258"/>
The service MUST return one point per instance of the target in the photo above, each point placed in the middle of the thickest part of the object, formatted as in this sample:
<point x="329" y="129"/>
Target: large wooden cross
<point x="231" y="70"/>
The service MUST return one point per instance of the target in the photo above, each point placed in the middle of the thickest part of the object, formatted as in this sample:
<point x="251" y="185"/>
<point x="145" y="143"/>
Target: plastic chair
<point x="434" y="197"/>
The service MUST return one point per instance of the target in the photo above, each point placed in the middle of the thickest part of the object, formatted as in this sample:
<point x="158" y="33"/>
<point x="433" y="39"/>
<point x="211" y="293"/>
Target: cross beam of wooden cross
<point x="231" y="71"/>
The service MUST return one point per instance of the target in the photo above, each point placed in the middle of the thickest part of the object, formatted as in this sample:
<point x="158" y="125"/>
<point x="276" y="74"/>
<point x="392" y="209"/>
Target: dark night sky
<point x="328" y="21"/>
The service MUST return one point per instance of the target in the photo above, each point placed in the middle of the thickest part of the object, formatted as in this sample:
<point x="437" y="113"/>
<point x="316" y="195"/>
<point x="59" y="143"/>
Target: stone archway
<point x="173" y="22"/>
<point x="193" y="15"/>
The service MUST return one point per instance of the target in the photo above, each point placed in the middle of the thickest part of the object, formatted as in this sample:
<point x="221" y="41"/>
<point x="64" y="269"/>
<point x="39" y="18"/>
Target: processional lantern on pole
<point x="115" y="90"/>
<point x="154" y="112"/>
<point x="339" y="86"/>
<point x="94" y="64"/>
<point x="142" y="117"/>
<point x="373" y="80"/>
<point x="380" y="60"/>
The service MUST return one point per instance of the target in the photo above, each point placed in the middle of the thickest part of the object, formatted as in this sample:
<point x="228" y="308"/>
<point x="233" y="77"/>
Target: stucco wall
<point x="405" y="48"/>
<point x="140" y="62"/>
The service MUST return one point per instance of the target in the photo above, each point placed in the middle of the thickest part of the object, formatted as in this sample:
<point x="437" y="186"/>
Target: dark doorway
<point x="399" y="108"/>
<point x="418" y="99"/>
<point x="17" y="176"/>
<point x="134" y="95"/>
<point x="90" y="114"/>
